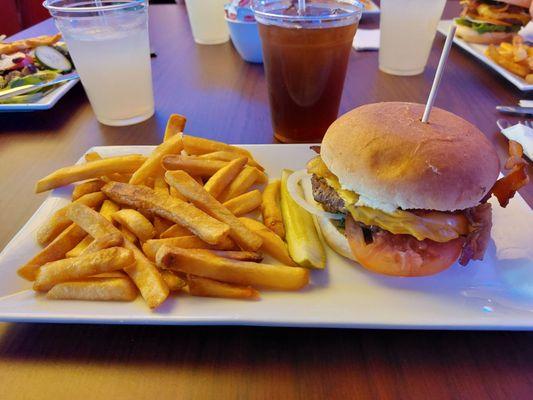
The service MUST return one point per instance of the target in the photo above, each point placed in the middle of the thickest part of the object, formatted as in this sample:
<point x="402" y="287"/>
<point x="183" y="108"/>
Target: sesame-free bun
<point x="470" y="35"/>
<point x="384" y="153"/>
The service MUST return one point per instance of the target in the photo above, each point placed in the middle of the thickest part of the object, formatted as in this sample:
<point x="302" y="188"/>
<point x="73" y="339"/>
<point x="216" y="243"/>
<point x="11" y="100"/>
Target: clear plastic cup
<point x="108" y="42"/>
<point x="305" y="56"/>
<point x="407" y="28"/>
<point x="207" y="20"/>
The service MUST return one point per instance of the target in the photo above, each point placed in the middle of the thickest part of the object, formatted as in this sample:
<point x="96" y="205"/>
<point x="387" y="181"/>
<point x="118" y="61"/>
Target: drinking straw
<point x="301" y="7"/>
<point x="439" y="73"/>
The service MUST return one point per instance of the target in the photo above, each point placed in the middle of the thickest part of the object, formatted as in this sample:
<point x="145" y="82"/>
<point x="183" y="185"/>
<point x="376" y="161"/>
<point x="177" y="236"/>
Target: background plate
<point x="478" y="51"/>
<point x="494" y="294"/>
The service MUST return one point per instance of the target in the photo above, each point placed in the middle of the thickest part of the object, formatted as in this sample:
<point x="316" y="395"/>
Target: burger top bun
<point x="384" y="153"/>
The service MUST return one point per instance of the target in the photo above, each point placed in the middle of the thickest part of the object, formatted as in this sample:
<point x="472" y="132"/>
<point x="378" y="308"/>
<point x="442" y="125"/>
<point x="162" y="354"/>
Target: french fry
<point x="96" y="289"/>
<point x="229" y="156"/>
<point x="244" y="203"/>
<point x="201" y="224"/>
<point x="128" y="235"/>
<point x="160" y="185"/>
<point x="90" y="186"/>
<point x="206" y="287"/>
<point x="224" y="176"/>
<point x="246" y="178"/>
<point x="108" y="208"/>
<point x="272" y="243"/>
<point x="152" y="165"/>
<point x="59" y="221"/>
<point x="112" y="274"/>
<point x="271" y="209"/>
<point x="238" y="255"/>
<point x="26" y="44"/>
<point x="194" y="166"/>
<point x="78" y="249"/>
<point x="174" y="193"/>
<point x="137" y="223"/>
<point x="507" y="63"/>
<point x="196" y="145"/>
<point x="56" y="250"/>
<point x="175" y="125"/>
<point x="150" y="247"/>
<point x="207" y="265"/>
<point x="173" y="281"/>
<point x="143" y="273"/>
<point x="104" y="242"/>
<point x="161" y="224"/>
<point x="69" y="269"/>
<point x="95" y="169"/>
<point x="175" y="231"/>
<point x="188" y="187"/>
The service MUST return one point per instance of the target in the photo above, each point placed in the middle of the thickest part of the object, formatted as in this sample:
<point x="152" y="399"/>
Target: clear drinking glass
<point x="407" y="28"/>
<point x="305" y="54"/>
<point x="108" y="42"/>
<point x="207" y="20"/>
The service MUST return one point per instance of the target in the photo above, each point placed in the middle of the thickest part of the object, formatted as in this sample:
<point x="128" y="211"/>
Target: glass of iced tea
<point x="305" y="56"/>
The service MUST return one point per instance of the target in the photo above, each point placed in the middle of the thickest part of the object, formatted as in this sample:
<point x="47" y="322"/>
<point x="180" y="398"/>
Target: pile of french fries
<point x="172" y="221"/>
<point x="516" y="57"/>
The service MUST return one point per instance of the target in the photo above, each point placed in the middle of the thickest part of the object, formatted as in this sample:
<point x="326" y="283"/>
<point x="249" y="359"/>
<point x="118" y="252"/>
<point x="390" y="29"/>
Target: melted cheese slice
<point x="434" y="225"/>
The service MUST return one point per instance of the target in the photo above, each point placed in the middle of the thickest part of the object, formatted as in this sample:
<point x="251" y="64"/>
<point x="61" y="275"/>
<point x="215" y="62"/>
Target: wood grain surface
<point x="225" y="98"/>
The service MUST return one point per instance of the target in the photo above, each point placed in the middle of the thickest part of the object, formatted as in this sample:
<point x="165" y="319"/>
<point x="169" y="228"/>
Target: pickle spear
<point x="305" y="247"/>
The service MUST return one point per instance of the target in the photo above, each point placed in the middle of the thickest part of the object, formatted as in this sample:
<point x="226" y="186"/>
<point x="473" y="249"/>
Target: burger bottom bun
<point x="470" y="35"/>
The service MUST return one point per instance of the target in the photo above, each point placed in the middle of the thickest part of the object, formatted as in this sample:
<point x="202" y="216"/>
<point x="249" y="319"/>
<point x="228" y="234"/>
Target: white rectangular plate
<point x="478" y="51"/>
<point x="44" y="103"/>
<point x="493" y="294"/>
<point x="370" y="8"/>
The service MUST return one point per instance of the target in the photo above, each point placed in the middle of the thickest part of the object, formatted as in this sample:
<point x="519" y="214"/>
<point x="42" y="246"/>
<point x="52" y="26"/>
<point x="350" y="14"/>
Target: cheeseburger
<point x="487" y="21"/>
<point x="413" y="195"/>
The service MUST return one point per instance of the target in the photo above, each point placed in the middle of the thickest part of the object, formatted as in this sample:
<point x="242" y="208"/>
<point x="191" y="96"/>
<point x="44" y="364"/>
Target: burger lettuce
<point x="485" y="27"/>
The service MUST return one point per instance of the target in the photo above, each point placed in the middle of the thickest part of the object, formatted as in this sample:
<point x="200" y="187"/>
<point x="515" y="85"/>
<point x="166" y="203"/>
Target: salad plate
<point x="31" y="62"/>
<point x="496" y="293"/>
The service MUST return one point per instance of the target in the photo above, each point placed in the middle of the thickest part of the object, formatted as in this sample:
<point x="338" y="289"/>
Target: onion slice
<point x="292" y="186"/>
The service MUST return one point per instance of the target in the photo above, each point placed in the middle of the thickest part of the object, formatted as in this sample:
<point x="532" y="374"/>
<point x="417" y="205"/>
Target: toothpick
<point x="439" y="73"/>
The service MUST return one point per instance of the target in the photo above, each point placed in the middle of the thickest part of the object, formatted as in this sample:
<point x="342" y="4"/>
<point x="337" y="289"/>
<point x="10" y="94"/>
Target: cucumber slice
<point x="52" y="58"/>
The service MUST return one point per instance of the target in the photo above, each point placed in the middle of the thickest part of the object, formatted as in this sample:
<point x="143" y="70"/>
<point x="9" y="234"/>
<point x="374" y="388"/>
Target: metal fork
<point x="504" y="124"/>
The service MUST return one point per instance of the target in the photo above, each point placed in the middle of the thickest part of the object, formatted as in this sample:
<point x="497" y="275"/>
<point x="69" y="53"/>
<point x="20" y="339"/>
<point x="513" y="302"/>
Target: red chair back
<point x="32" y="12"/>
<point x="9" y="18"/>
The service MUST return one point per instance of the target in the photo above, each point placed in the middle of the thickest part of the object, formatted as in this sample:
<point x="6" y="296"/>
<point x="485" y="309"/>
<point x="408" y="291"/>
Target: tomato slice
<point x="401" y="255"/>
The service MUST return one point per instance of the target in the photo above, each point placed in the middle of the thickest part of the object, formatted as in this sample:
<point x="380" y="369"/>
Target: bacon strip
<point x="316" y="149"/>
<point x="505" y="188"/>
<point x="480" y="219"/>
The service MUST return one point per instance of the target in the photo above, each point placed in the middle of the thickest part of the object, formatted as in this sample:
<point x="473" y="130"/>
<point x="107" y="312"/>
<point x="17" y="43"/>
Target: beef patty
<point x="326" y="195"/>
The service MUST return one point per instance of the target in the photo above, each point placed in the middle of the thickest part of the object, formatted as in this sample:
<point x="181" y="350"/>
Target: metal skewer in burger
<point x="413" y="194"/>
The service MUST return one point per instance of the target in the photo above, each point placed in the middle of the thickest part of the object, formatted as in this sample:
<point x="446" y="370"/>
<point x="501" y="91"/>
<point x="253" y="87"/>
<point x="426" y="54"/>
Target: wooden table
<point x="225" y="98"/>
